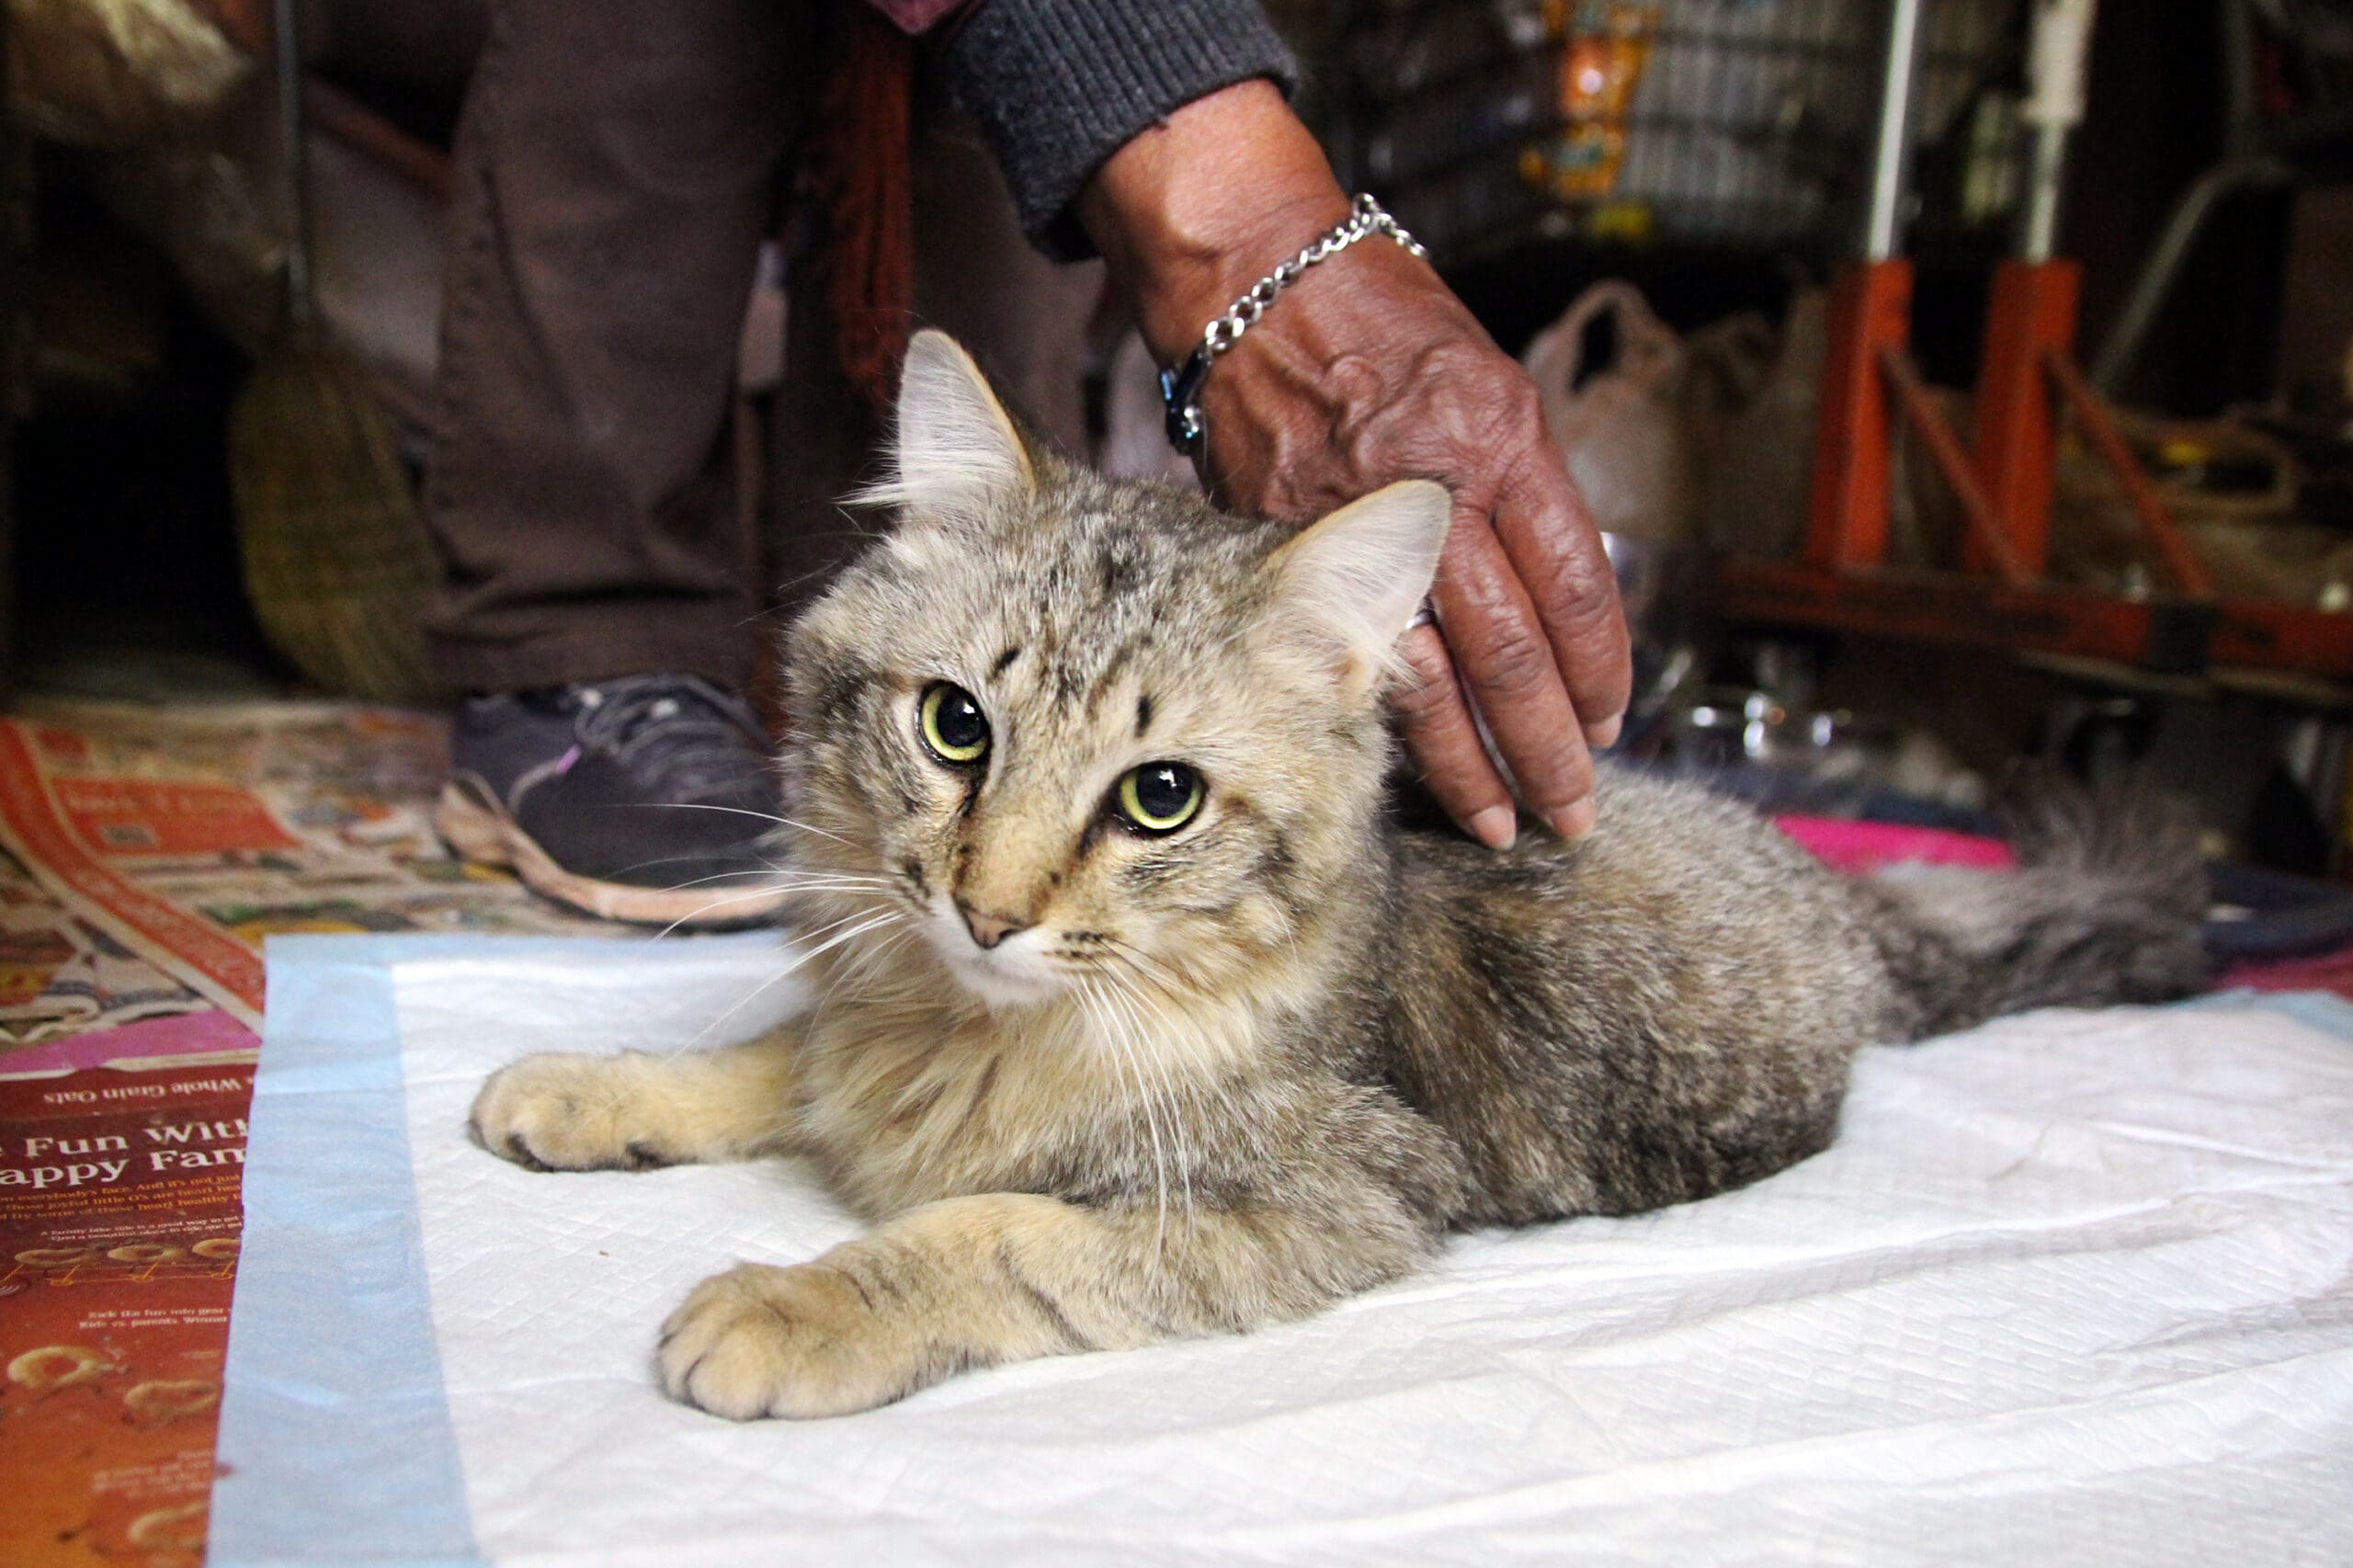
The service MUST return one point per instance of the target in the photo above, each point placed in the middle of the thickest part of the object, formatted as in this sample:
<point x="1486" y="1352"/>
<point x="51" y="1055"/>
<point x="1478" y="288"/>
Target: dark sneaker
<point x="647" y="797"/>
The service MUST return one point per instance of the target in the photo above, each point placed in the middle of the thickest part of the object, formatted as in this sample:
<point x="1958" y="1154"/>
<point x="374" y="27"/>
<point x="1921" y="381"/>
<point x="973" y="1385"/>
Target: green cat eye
<point x="953" y="725"/>
<point x="1160" y="797"/>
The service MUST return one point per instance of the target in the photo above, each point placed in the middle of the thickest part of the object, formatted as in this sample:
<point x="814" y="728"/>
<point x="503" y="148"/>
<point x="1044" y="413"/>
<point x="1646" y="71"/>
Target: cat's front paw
<point x="566" y="1113"/>
<point x="798" y="1342"/>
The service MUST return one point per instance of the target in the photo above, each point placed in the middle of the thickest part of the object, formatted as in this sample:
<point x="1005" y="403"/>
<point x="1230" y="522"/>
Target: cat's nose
<point x="987" y="930"/>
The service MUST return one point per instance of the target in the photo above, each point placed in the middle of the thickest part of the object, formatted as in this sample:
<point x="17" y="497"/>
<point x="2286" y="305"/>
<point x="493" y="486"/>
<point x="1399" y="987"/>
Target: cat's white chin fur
<point x="1008" y="975"/>
<point x="1000" y="990"/>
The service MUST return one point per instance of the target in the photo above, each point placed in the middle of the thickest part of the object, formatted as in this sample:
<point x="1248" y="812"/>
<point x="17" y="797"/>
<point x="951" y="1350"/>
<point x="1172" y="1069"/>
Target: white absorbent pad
<point x="2072" y="1287"/>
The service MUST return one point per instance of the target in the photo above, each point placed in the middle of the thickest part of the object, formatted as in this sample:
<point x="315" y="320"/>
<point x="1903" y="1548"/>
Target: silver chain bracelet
<point x="1180" y="390"/>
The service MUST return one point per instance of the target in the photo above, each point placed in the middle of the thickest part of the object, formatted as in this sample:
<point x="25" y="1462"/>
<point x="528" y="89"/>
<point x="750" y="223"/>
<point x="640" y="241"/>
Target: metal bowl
<point x="1658" y="587"/>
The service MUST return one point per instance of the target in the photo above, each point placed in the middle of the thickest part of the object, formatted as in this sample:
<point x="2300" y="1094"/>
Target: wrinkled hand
<point x="1365" y="372"/>
<point x="1380" y="374"/>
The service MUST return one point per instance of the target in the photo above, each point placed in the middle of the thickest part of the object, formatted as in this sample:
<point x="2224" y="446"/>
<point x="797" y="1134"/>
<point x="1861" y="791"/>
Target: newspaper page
<point x="176" y="840"/>
<point x="120" y="1156"/>
<point x="145" y="856"/>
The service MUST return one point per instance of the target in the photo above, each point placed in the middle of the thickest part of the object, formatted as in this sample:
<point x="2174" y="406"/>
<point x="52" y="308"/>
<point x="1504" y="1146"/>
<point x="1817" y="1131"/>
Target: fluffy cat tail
<point x="2103" y="908"/>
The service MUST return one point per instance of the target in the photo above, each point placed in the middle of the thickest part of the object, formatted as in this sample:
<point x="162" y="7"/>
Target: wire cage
<point x="1722" y="122"/>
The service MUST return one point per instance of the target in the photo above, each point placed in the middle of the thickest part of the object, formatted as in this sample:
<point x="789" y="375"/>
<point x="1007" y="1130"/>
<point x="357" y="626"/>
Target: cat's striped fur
<point x="1226" y="1077"/>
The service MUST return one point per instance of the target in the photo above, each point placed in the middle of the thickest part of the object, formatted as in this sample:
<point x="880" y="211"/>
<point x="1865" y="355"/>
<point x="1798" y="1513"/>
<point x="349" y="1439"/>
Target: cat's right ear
<point x="958" y="453"/>
<point x="1353" y="580"/>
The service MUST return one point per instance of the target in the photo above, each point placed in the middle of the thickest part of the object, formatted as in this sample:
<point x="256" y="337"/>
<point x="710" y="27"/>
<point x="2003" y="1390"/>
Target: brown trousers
<point x="617" y="167"/>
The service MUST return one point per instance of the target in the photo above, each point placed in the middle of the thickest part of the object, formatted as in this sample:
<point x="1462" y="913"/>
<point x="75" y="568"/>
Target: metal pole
<point x="1892" y="149"/>
<point x="2039" y="240"/>
<point x="2054" y="107"/>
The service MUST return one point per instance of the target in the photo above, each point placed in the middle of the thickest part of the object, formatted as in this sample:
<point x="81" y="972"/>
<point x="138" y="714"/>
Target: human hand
<point x="1368" y="370"/>
<point x="1384" y="376"/>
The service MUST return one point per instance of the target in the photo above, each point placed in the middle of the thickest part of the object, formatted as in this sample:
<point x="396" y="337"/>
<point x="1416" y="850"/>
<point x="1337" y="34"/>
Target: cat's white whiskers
<point x="763" y="892"/>
<point x="739" y="1004"/>
<point x="1207" y="1072"/>
<point x="1289" y="928"/>
<point x="761" y="816"/>
<point x="826" y="892"/>
<point x="825" y="997"/>
<point x="839" y="884"/>
<point x="1171" y="1074"/>
<point x="782" y="882"/>
<point x="1131" y="1053"/>
<point x="1152" y="1062"/>
<point x="813" y="829"/>
<point x="769" y="878"/>
<point x="884" y="918"/>
<point x="1098" y="1011"/>
<point x="1172" y="981"/>
<point x="1142" y="967"/>
<point x="1089" y="1003"/>
<point x="1166" y="995"/>
<point x="865" y="966"/>
<point x="1144" y="962"/>
<point x="766" y="890"/>
<point x="815" y="873"/>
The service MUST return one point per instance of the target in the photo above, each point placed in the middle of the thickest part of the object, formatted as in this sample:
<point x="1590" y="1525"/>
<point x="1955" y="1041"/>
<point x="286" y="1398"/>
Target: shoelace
<point x="701" y="739"/>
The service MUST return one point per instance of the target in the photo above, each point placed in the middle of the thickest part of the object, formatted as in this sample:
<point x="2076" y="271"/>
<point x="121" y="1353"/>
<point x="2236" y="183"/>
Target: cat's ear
<point x="1352" y="582"/>
<point x="958" y="451"/>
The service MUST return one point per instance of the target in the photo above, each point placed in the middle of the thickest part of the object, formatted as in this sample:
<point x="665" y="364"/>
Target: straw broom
<point x="337" y="561"/>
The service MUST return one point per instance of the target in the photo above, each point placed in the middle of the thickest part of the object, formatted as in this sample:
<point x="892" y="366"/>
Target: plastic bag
<point x="1751" y="391"/>
<point x="1618" y="427"/>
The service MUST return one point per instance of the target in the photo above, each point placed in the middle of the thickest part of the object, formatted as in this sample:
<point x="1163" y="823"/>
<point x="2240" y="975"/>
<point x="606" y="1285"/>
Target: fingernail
<point x="1572" y="821"/>
<point x="1494" y="827"/>
<point x="1604" y="734"/>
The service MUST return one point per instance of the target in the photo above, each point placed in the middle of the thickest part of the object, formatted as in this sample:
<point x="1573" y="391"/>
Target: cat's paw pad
<point x="564" y="1113"/>
<point x="796" y="1342"/>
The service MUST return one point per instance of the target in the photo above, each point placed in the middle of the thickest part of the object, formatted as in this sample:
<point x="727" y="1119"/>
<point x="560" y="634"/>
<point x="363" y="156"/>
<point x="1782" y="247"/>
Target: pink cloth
<point x="1867" y="845"/>
<point x="2317" y="971"/>
<point x="1859" y="846"/>
<point x="914" y="17"/>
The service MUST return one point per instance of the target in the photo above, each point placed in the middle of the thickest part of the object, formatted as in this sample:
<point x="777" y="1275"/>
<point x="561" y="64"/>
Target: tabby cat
<point x="1140" y="1015"/>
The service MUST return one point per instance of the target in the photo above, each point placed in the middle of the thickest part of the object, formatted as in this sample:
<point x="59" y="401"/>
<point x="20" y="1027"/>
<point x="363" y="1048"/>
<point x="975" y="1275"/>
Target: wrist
<point x="1194" y="210"/>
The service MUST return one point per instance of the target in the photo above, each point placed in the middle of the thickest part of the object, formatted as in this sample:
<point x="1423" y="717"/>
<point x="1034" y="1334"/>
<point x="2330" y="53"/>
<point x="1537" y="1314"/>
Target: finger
<point x="1557" y="554"/>
<point x="1445" y="743"/>
<point x="1506" y="661"/>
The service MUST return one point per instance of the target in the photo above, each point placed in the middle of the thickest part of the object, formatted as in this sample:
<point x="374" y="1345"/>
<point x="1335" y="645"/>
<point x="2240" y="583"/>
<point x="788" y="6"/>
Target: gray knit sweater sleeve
<point x="1059" y="85"/>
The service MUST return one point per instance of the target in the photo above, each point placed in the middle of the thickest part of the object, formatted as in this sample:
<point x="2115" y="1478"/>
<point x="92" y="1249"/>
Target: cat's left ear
<point x="1352" y="582"/>
<point x="958" y="453"/>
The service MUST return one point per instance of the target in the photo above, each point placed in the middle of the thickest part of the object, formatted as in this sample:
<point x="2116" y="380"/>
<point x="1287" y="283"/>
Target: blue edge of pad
<point x="336" y="1445"/>
<point x="335" y="1440"/>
